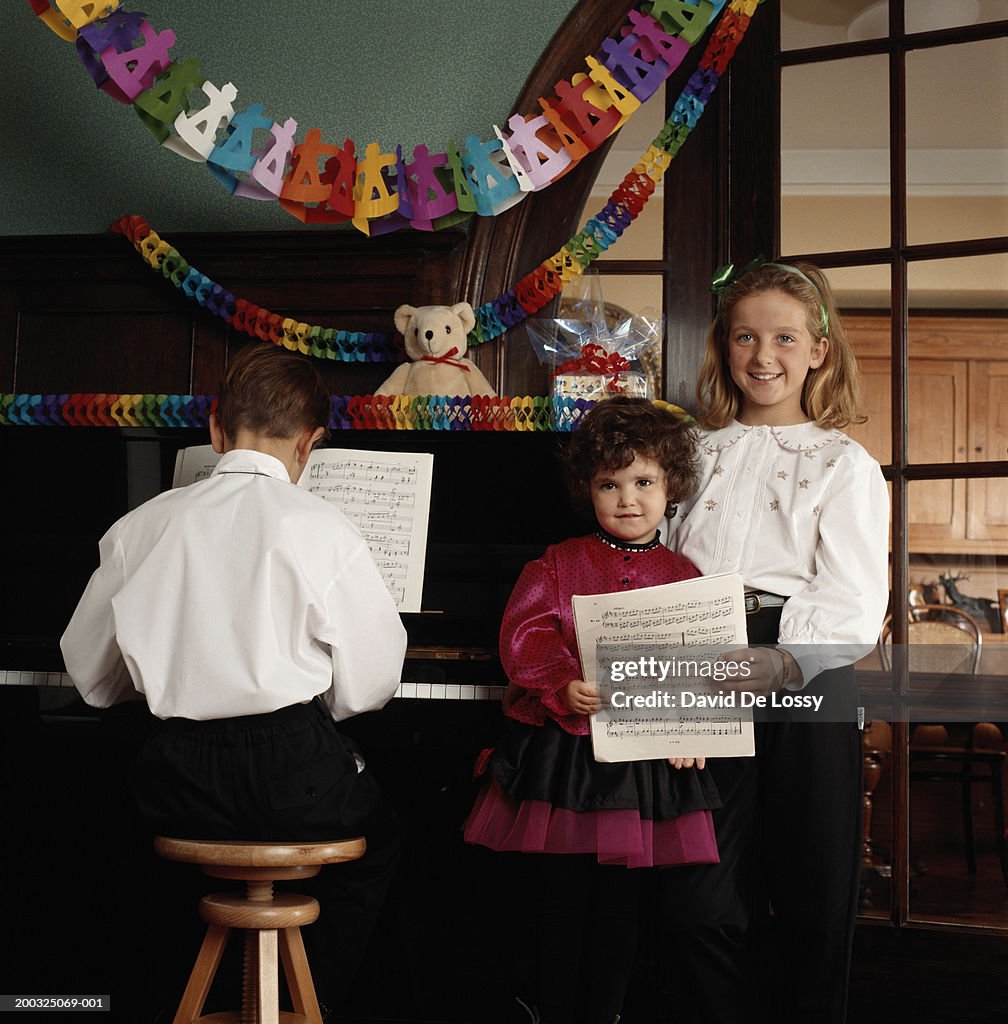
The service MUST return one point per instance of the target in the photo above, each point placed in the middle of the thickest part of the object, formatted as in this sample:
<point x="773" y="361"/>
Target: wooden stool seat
<point x="283" y="911"/>
<point x="272" y="924"/>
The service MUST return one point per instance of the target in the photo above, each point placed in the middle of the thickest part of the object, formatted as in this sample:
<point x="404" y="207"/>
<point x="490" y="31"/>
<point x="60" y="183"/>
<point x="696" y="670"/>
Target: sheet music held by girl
<point x="386" y="495"/>
<point x="653" y="653"/>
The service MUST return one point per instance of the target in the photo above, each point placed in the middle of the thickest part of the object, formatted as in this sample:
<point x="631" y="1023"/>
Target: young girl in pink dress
<point x="545" y="794"/>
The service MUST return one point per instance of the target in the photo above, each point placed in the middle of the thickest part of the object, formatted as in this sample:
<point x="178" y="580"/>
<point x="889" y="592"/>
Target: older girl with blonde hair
<point x="802" y="512"/>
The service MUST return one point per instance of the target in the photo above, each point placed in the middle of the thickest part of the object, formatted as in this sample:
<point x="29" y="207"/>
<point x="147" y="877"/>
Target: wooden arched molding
<point x="501" y="250"/>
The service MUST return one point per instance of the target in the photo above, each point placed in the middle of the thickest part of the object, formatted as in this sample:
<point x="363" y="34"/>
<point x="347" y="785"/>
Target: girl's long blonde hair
<point x="832" y="393"/>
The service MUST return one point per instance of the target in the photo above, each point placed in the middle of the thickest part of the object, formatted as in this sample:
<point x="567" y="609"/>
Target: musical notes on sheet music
<point x="193" y="464"/>
<point x="367" y="471"/>
<point x="655" y="652"/>
<point x="702" y="621"/>
<point x="664" y="726"/>
<point x="386" y="495"/>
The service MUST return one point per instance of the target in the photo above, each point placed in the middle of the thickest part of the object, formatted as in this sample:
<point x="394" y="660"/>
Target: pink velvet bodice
<point x="538" y="644"/>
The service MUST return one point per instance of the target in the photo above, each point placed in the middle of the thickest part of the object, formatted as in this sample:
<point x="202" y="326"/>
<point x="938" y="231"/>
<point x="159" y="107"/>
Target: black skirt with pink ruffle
<point x="546" y="793"/>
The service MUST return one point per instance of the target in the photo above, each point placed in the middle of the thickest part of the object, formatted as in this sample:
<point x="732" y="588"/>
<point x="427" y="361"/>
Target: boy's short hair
<point x="273" y="392"/>
<point x="613" y="432"/>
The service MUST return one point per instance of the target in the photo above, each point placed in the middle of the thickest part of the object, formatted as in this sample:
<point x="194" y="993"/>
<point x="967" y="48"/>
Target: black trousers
<point x="586" y="916"/>
<point x="706" y="909"/>
<point x="288" y="775"/>
<point x="767" y="933"/>
<point x="808" y="841"/>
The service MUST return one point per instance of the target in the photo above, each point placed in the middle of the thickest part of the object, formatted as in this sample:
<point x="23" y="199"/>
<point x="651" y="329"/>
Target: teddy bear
<point x="435" y="339"/>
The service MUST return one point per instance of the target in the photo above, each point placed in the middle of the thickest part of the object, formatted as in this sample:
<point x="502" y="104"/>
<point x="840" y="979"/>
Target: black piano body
<point x="447" y="948"/>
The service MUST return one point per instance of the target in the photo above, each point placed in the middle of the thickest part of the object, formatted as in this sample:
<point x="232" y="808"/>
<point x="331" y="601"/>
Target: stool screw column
<point x="254" y="991"/>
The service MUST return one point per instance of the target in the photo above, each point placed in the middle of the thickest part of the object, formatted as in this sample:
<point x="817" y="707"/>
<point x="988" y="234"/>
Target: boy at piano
<point x="250" y="616"/>
<point x="588" y="823"/>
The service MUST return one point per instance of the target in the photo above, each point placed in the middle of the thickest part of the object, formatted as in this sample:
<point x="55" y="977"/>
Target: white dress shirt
<point x="802" y="512"/>
<point x="238" y="595"/>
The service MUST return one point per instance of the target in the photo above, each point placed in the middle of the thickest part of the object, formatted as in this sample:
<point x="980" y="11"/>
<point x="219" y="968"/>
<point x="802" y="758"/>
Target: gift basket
<point x="592" y="356"/>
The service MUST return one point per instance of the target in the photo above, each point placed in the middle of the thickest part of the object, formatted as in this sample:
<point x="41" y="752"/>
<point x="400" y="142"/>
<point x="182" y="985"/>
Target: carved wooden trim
<point x="501" y="250"/>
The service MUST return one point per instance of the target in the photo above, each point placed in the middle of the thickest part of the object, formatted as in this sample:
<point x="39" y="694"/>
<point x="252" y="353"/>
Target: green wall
<point x="72" y="160"/>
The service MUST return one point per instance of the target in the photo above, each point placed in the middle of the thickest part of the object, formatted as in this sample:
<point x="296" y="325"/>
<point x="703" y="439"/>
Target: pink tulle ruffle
<point x="616" y="837"/>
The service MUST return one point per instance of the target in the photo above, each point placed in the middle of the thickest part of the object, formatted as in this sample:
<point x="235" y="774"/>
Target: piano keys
<point x="411" y="690"/>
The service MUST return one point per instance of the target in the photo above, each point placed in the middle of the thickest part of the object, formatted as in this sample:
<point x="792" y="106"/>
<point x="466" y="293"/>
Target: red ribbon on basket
<point x="596" y="361"/>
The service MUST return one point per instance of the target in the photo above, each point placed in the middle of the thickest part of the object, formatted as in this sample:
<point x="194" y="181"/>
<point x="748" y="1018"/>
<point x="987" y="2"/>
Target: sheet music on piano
<point x="656" y="655"/>
<point x="386" y="495"/>
<point x="194" y="463"/>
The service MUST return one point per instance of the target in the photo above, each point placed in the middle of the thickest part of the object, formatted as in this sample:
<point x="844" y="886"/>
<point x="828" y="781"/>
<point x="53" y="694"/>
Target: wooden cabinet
<point x="987" y="500"/>
<point x="958" y="412"/>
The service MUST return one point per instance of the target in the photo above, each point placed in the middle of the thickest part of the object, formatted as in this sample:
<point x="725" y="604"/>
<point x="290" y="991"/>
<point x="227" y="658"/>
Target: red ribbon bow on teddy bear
<point x="447" y="359"/>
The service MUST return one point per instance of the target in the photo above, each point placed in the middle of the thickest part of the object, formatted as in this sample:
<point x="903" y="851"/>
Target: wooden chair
<point x="947" y="753"/>
<point x="937" y="624"/>
<point x="272" y="924"/>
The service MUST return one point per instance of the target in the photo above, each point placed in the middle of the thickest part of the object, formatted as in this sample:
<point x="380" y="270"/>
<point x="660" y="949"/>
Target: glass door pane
<point x="957" y="142"/>
<point x="863" y="297"/>
<point x="835" y="155"/>
<point x="928" y="15"/>
<point x="825" y="22"/>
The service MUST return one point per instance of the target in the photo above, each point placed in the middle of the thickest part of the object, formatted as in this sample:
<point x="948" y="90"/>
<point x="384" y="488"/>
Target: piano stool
<point x="272" y="924"/>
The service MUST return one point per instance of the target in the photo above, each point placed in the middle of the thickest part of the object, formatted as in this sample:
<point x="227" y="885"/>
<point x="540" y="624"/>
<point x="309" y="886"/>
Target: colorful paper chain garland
<point x="528" y="295"/>
<point x="311" y="340"/>
<point x="355" y="412"/>
<point x="543" y="284"/>
<point x="130" y="61"/>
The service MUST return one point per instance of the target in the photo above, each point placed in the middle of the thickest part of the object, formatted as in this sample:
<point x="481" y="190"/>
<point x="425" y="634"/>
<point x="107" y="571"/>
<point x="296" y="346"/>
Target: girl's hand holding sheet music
<point x="688" y="762"/>
<point x="582" y="697"/>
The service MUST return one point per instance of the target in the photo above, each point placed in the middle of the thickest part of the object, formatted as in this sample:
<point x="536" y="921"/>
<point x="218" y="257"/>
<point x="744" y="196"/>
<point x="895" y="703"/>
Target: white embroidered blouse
<point x="799" y="511"/>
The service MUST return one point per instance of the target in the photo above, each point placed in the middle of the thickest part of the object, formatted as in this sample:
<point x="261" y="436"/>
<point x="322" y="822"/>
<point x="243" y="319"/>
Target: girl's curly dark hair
<point x="615" y="431"/>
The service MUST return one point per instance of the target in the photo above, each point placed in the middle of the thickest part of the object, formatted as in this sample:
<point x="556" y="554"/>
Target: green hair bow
<point x="724" y="277"/>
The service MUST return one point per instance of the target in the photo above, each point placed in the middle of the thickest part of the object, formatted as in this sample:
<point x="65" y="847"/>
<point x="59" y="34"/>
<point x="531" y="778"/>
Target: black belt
<point x="755" y="600"/>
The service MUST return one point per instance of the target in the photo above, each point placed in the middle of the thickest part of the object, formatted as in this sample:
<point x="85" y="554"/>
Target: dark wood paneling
<point x="927" y="975"/>
<point x="123" y="352"/>
<point x="753" y="132"/>
<point x="694" y="195"/>
<point x="85" y="313"/>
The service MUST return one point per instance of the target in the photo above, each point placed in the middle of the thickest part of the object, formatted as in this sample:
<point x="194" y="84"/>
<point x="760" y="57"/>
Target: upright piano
<point x="447" y="949"/>
<point x="497" y="500"/>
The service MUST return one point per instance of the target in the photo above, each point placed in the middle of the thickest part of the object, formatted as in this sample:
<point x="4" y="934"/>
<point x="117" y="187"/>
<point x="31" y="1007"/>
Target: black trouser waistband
<point x="763" y="627"/>
<point x="290" y="715"/>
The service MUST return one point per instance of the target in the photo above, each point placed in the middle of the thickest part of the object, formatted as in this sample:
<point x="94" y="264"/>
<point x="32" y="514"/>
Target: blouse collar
<point x="795" y="437"/>
<point x="247" y="460"/>
<point x="621" y="545"/>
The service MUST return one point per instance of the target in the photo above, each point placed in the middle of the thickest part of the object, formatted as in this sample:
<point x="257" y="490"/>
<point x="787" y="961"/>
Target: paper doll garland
<point x="528" y="295"/>
<point x="378" y="191"/>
